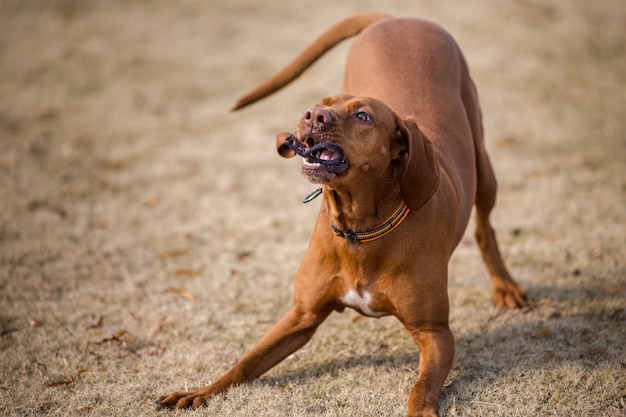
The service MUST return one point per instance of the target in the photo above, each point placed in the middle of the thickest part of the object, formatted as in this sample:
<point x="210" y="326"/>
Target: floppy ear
<point x="421" y="177"/>
<point x="282" y="149"/>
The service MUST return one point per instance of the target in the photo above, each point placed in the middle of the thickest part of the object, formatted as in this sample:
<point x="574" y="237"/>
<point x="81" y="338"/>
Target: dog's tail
<point x="342" y="30"/>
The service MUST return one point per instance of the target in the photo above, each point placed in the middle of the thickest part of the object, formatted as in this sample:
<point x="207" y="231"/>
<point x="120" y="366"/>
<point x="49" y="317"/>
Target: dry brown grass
<point x="148" y="238"/>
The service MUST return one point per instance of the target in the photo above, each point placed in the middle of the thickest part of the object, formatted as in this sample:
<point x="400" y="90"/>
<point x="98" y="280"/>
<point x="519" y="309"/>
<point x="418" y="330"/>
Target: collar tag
<point x="312" y="196"/>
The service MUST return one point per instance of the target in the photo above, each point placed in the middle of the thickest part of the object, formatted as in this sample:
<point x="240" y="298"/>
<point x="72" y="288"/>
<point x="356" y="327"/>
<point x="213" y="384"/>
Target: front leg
<point x="292" y="332"/>
<point x="436" y="350"/>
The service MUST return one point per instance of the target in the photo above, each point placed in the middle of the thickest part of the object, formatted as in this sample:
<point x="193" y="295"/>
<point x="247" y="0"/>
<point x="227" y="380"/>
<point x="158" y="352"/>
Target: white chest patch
<point x="361" y="302"/>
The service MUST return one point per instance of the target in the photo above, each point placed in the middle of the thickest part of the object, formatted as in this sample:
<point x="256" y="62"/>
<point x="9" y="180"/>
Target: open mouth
<point x="322" y="161"/>
<point x="324" y="154"/>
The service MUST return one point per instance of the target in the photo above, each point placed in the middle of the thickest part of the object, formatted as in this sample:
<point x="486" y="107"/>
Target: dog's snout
<point x="317" y="117"/>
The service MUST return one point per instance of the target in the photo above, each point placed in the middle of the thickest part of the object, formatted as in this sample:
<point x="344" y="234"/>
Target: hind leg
<point x="505" y="291"/>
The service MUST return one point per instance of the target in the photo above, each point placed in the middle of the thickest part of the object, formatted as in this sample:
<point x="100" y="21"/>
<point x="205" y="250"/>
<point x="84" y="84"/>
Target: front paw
<point x="178" y="400"/>
<point x="507" y="294"/>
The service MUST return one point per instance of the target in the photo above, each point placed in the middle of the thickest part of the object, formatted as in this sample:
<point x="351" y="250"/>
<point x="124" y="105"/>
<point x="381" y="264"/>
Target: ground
<point x="149" y="237"/>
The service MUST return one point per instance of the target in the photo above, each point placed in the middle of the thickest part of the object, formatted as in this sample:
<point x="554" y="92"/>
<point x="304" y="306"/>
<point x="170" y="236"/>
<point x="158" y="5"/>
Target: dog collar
<point x="377" y="233"/>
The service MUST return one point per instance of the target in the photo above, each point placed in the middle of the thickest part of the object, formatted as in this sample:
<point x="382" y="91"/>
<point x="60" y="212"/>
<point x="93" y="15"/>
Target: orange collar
<point x="378" y="232"/>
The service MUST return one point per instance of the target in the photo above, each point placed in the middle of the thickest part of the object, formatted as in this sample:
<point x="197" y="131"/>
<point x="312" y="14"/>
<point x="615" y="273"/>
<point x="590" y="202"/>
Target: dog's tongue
<point x="328" y="155"/>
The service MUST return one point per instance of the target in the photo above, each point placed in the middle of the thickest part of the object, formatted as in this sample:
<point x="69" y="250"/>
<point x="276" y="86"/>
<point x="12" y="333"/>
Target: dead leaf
<point x="107" y="340"/>
<point x="158" y="326"/>
<point x="92" y="406"/>
<point x="383" y="347"/>
<point x="151" y="200"/>
<point x="282" y="387"/>
<point x="34" y="323"/>
<point x="243" y="255"/>
<point x="358" y="318"/>
<point x="550" y="353"/>
<point x="44" y="205"/>
<point x="595" y="351"/>
<point x="59" y="383"/>
<point x="48" y="114"/>
<point x="175" y="253"/>
<point x="613" y="289"/>
<point x="69" y="381"/>
<point x="113" y="164"/>
<point x="180" y="273"/>
<point x="508" y="141"/>
<point x="86" y="409"/>
<point x="104" y="185"/>
<point x="612" y="323"/>
<point x="122" y="337"/>
<point x="542" y="334"/>
<point x="180" y="291"/>
<point x="8" y="331"/>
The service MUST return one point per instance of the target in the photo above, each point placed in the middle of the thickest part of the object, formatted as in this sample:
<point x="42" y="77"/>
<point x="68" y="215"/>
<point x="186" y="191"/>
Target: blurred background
<point x="149" y="237"/>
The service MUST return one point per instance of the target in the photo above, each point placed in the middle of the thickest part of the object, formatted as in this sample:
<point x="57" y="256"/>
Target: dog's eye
<point x="363" y="117"/>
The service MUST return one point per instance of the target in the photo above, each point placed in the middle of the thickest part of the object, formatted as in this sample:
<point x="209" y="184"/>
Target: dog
<point x="401" y="162"/>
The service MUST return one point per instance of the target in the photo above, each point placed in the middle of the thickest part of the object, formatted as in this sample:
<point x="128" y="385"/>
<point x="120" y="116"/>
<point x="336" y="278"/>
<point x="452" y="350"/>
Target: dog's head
<point x="352" y="141"/>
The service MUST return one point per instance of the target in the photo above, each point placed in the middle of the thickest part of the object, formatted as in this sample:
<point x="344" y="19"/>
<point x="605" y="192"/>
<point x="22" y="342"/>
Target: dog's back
<point x="416" y="68"/>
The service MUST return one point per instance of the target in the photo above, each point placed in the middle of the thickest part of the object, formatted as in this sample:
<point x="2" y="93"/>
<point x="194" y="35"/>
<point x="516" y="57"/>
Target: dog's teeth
<point x="310" y="164"/>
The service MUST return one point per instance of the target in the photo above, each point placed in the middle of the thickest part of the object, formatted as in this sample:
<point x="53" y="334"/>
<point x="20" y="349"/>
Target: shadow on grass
<point x="332" y="367"/>
<point x="586" y="335"/>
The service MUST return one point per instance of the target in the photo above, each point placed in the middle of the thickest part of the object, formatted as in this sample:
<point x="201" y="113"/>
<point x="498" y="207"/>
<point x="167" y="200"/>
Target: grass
<point x="148" y="238"/>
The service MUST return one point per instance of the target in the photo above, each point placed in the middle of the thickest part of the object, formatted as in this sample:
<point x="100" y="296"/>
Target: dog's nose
<point x="317" y="117"/>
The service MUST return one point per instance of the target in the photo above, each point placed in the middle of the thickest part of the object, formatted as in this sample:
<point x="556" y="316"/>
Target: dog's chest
<point x="362" y="302"/>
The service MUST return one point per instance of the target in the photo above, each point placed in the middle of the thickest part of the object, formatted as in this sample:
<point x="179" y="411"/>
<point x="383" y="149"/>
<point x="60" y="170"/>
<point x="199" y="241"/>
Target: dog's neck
<point x="361" y="208"/>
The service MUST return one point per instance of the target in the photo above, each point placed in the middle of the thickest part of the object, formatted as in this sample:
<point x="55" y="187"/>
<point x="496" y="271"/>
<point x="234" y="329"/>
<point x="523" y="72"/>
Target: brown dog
<point x="401" y="161"/>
